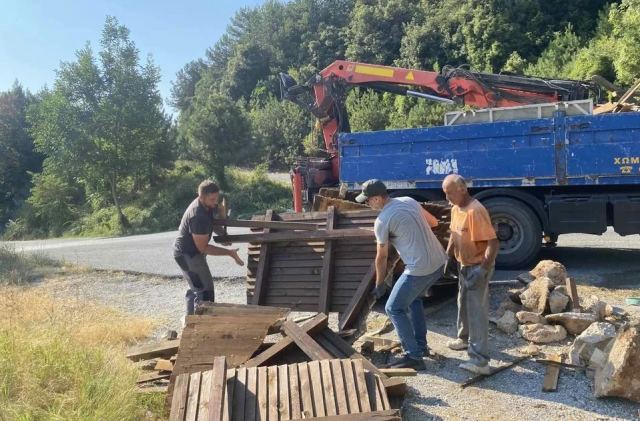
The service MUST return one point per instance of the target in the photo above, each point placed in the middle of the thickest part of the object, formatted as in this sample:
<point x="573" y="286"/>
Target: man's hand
<point x="475" y="275"/>
<point x="451" y="267"/>
<point x="233" y="253"/>
<point x="379" y="290"/>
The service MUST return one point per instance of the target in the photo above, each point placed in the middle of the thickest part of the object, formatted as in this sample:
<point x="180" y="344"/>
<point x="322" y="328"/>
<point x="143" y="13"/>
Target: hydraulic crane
<point x="324" y="95"/>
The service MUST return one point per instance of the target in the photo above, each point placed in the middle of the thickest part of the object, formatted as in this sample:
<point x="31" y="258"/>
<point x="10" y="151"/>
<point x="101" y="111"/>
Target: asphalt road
<point x="608" y="259"/>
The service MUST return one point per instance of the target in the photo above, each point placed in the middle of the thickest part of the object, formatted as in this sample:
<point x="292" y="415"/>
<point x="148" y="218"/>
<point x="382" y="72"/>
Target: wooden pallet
<point x="278" y="393"/>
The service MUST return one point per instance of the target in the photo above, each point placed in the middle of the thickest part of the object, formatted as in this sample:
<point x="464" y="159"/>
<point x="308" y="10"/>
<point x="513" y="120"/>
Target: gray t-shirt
<point x="197" y="219"/>
<point x="402" y="224"/>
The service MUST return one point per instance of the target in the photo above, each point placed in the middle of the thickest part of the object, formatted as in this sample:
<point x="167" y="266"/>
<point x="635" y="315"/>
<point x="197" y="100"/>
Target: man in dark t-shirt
<point x="192" y="246"/>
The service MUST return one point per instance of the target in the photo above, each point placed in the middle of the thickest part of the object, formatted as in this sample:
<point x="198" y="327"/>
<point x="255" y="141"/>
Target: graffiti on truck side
<point x="441" y="166"/>
<point x="625" y="164"/>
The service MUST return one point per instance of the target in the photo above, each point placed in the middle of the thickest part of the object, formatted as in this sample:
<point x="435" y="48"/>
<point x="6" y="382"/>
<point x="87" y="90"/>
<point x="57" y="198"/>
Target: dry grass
<point x="63" y="359"/>
<point x="609" y="295"/>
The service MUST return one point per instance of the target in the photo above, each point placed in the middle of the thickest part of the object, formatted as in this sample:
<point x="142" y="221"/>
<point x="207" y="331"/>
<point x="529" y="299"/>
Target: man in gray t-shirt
<point x="405" y="225"/>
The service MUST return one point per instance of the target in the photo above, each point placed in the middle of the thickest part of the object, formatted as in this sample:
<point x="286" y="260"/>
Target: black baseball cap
<point x="370" y="188"/>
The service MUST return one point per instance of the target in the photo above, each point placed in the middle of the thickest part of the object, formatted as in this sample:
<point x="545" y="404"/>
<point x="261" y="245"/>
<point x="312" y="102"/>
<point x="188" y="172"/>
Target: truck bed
<point x="560" y="151"/>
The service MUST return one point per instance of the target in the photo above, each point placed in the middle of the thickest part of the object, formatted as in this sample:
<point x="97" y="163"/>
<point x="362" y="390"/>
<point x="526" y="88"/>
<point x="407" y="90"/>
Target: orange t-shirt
<point x="471" y="229"/>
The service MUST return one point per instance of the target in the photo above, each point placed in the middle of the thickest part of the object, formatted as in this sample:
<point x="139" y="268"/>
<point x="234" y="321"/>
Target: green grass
<point x="20" y="268"/>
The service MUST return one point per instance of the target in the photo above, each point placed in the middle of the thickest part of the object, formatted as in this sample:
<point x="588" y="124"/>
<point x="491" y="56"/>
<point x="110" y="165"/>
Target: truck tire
<point x="518" y="230"/>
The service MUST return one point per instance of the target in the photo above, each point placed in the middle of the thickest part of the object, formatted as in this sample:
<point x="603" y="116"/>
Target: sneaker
<point x="408" y="362"/>
<point x="485" y="370"/>
<point x="458" y="345"/>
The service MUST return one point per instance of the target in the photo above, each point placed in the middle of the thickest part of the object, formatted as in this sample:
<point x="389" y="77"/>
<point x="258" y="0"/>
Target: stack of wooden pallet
<point x="277" y="393"/>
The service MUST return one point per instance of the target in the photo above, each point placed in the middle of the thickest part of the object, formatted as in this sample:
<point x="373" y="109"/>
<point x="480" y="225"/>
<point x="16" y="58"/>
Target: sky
<point x="36" y="35"/>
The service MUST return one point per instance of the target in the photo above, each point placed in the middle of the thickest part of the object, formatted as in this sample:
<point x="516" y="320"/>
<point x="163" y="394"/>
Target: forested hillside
<point x="97" y="153"/>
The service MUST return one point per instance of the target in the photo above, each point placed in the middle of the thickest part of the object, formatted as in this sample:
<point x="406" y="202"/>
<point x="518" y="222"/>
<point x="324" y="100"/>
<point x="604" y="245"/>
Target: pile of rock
<point x="543" y="312"/>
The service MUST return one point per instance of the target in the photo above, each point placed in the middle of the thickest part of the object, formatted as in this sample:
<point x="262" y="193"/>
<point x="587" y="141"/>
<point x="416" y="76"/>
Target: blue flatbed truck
<point x="539" y="178"/>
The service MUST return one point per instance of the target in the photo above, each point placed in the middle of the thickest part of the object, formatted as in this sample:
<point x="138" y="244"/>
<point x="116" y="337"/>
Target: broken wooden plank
<point x="281" y="225"/>
<point x="572" y="290"/>
<point x="164" y="365"/>
<point x="305" y="342"/>
<point x="179" y="398"/>
<point x="338" y="234"/>
<point x="192" y="396"/>
<point x="164" y="349"/>
<point x="217" y="391"/>
<point x="151" y="377"/>
<point x="359" y="297"/>
<point x="399" y="372"/>
<point x="263" y="265"/>
<point x="479" y="377"/>
<point x="327" y="265"/>
<point x="552" y="373"/>
<point x="312" y="326"/>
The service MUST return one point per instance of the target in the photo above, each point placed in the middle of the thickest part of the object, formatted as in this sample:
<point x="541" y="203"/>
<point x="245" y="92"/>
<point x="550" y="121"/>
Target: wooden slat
<point x="389" y="415"/>
<point x="374" y="394"/>
<point x="205" y="398"/>
<point x="179" y="398"/>
<point x="227" y="408"/>
<point x="315" y="375"/>
<point x="164" y="349"/>
<point x="305" y="342"/>
<point x="281" y="225"/>
<point x="283" y="403"/>
<point x="310" y="327"/>
<point x="350" y="315"/>
<point x="263" y="392"/>
<point x="552" y="373"/>
<point x="251" y="397"/>
<point x="192" y="397"/>
<point x="399" y="372"/>
<point x="327" y="265"/>
<point x="218" y="382"/>
<point x="294" y="389"/>
<point x="339" y="386"/>
<point x="150" y="377"/>
<point x="239" y="393"/>
<point x="306" y="391"/>
<point x="383" y="393"/>
<point x="350" y="384"/>
<point x="361" y="386"/>
<point x="273" y="409"/>
<point x="327" y="385"/>
<point x="296" y="236"/>
<point x="263" y="265"/>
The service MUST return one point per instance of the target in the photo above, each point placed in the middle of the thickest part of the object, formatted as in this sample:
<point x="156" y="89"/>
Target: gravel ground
<point x="433" y="394"/>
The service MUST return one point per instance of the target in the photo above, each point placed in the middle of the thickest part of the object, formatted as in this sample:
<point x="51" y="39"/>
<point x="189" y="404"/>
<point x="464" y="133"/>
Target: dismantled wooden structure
<point x="330" y="269"/>
<point x="278" y="393"/>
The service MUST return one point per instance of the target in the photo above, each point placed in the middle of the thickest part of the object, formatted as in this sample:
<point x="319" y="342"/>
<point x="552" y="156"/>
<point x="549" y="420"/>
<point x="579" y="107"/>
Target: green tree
<point x="17" y="154"/>
<point x="217" y="131"/>
<point x="103" y="120"/>
<point x="557" y="59"/>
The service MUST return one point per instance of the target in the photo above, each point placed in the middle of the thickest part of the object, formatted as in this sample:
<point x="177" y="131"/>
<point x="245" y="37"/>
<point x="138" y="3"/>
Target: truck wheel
<point x="518" y="230"/>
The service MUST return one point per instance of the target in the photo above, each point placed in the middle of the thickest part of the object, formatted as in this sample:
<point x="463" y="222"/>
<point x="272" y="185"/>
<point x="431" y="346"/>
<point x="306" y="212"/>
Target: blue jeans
<point x="404" y="308"/>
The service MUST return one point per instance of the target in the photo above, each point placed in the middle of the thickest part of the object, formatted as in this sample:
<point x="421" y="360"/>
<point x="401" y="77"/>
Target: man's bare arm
<point x="203" y="246"/>
<point x="382" y="253"/>
<point x="490" y="253"/>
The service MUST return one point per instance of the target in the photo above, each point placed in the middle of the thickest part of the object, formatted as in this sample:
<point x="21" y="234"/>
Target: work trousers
<point x="473" y="314"/>
<point x="198" y="276"/>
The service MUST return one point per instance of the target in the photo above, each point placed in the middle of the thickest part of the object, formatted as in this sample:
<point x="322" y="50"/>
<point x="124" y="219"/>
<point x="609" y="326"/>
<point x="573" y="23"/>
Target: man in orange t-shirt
<point x="474" y="245"/>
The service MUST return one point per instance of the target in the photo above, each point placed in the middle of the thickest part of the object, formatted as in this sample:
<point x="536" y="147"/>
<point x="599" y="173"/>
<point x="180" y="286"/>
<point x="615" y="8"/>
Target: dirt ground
<point x="433" y="394"/>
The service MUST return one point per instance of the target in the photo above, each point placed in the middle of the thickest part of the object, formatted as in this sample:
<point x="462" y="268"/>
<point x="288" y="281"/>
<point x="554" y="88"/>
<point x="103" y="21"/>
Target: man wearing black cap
<point x="405" y="225"/>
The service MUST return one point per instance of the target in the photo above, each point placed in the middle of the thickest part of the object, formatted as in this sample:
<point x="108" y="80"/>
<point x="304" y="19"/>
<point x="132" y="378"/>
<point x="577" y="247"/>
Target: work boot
<point x="476" y="369"/>
<point x="458" y="344"/>
<point x="408" y="362"/>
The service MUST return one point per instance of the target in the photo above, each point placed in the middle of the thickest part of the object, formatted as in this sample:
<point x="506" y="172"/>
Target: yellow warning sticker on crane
<point x="409" y="76"/>
<point x="373" y="71"/>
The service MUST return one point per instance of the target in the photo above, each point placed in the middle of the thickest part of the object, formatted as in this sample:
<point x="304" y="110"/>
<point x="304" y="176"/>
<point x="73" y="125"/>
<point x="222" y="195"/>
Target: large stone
<point x="514" y="295"/>
<point x="558" y="301"/>
<point x="529" y="317"/>
<point x="575" y="323"/>
<point x="535" y="297"/>
<point x="507" y="305"/>
<point x="552" y="270"/>
<point x="543" y="334"/>
<point x="618" y="376"/>
<point x="596" y="336"/>
<point x="596" y="306"/>
<point x="508" y="322"/>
